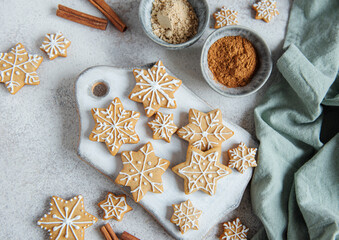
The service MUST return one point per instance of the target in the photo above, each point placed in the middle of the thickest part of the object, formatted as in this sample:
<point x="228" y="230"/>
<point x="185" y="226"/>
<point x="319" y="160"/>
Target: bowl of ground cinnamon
<point x="235" y="61"/>
<point x="174" y="24"/>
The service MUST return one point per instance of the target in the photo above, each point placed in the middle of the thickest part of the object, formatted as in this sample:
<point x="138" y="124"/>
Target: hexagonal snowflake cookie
<point x="234" y="230"/>
<point x="163" y="126"/>
<point x="242" y="157"/>
<point x="55" y="45"/>
<point x="67" y="220"/>
<point x="202" y="170"/>
<point x="266" y="10"/>
<point x="114" y="206"/>
<point x="225" y="17"/>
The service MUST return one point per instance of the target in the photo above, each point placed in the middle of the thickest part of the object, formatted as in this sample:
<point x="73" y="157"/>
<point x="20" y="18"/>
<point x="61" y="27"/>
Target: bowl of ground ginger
<point x="174" y="24"/>
<point x="235" y="61"/>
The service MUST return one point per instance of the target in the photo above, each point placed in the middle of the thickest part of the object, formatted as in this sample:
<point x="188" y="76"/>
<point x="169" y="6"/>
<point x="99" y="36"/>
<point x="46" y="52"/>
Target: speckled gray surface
<point x="39" y="125"/>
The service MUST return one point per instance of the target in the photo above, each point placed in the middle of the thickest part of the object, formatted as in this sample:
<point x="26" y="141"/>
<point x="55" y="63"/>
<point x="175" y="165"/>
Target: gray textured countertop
<point x="39" y="125"/>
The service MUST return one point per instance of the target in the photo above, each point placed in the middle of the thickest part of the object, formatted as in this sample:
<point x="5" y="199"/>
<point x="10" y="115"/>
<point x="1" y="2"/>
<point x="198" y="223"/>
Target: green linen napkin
<point x="295" y="188"/>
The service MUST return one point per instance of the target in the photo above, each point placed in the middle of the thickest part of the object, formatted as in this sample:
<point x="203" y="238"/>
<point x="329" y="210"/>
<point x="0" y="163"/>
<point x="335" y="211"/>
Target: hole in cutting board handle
<point x="100" y="89"/>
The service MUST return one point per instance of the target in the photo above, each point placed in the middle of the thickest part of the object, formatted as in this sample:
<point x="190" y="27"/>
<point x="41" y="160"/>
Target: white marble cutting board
<point x="120" y="82"/>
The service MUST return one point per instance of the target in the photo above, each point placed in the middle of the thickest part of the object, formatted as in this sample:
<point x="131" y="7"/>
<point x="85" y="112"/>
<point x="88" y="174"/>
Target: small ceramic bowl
<point x="201" y="9"/>
<point x="263" y="70"/>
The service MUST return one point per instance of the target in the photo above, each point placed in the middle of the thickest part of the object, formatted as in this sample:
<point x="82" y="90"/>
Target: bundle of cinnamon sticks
<point x="109" y="234"/>
<point x="92" y="21"/>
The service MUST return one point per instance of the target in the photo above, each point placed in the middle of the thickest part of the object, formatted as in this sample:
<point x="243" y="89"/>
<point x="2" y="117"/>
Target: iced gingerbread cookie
<point x="154" y="88"/>
<point x="55" y="45"/>
<point x="201" y="170"/>
<point x="163" y="126"/>
<point x="114" y="126"/>
<point x="18" y="68"/>
<point x="186" y="216"/>
<point x="266" y="10"/>
<point x="114" y="206"/>
<point x="225" y="17"/>
<point x="142" y="171"/>
<point x="234" y="230"/>
<point x="205" y="130"/>
<point x="242" y="157"/>
<point x="67" y="219"/>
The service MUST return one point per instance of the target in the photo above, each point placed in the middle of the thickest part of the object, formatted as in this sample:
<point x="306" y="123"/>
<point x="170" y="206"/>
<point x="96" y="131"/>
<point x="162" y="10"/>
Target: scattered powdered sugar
<point x="174" y="21"/>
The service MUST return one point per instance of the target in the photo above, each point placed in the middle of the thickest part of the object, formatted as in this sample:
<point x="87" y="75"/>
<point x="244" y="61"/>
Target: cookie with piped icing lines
<point x="234" y="230"/>
<point x="242" y="157"/>
<point x="163" y="126"/>
<point x="67" y="219"/>
<point x="154" y="88"/>
<point x="142" y="171"/>
<point x="225" y="17"/>
<point x="114" y="126"/>
<point x="202" y="170"/>
<point x="55" y="45"/>
<point x="114" y="206"/>
<point x="18" y="68"/>
<point x="205" y="130"/>
<point x="186" y="216"/>
<point x="266" y="10"/>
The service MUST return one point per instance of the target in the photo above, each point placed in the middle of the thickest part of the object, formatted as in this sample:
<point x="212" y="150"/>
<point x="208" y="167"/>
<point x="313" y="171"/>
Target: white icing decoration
<point x="142" y="172"/>
<point x="54" y="44"/>
<point x="266" y="9"/>
<point x="116" y="124"/>
<point x="201" y="173"/>
<point x="163" y="125"/>
<point x="234" y="230"/>
<point x="155" y="88"/>
<point x="113" y="209"/>
<point x="213" y="129"/>
<point x="242" y="157"/>
<point x="186" y="216"/>
<point x="65" y="221"/>
<point x="226" y="17"/>
<point x="31" y="76"/>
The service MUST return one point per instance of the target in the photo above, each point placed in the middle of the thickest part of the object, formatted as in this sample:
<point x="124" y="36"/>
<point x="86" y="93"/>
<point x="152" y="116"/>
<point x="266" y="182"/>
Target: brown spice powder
<point x="233" y="61"/>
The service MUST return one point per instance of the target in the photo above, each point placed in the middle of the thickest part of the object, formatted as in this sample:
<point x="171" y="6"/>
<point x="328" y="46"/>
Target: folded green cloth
<point x="295" y="188"/>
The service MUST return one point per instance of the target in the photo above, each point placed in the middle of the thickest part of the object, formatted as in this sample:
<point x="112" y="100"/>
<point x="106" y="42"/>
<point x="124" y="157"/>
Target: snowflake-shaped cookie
<point x="201" y="170"/>
<point x="17" y="68"/>
<point x="205" y="130"/>
<point x="114" y="126"/>
<point x="266" y="10"/>
<point x="67" y="220"/>
<point x="225" y="17"/>
<point x="154" y="88"/>
<point x="114" y="206"/>
<point x="142" y="171"/>
<point x="185" y="216"/>
<point x="55" y="45"/>
<point x="234" y="230"/>
<point x="163" y="126"/>
<point x="242" y="157"/>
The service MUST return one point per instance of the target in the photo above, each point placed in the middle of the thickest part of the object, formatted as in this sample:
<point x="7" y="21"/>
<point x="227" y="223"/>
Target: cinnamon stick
<point x="127" y="236"/>
<point x="80" y="17"/>
<point x="110" y="14"/>
<point x="105" y="233"/>
<point x="111" y="232"/>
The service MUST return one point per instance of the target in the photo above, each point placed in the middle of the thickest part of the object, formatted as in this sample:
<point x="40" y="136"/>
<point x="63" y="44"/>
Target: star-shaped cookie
<point x="186" y="216"/>
<point x="205" y="130"/>
<point x="114" y="126"/>
<point x="266" y="10"/>
<point x="67" y="220"/>
<point x="242" y="157"/>
<point x="163" y="126"/>
<point x="114" y="206"/>
<point x="18" y="68"/>
<point x="202" y="170"/>
<point x="225" y="17"/>
<point x="142" y="171"/>
<point x="55" y="45"/>
<point x="234" y="230"/>
<point x="154" y="88"/>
